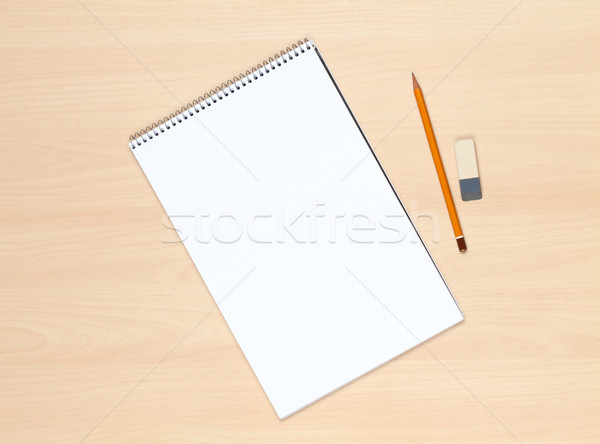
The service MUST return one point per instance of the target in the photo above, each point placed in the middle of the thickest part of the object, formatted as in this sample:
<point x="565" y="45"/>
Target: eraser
<point x="468" y="175"/>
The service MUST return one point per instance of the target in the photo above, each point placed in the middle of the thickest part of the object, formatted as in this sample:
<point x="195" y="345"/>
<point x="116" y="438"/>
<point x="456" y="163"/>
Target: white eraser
<point x="468" y="174"/>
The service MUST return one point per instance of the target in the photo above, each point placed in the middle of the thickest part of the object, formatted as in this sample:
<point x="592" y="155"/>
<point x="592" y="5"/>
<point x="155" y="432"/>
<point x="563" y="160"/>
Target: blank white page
<point x="319" y="274"/>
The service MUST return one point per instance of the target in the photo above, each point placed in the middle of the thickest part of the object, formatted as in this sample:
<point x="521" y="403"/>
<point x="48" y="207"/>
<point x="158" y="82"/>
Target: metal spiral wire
<point x="219" y="93"/>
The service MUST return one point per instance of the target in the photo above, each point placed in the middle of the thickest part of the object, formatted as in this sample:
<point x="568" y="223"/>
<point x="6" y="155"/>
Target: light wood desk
<point x="100" y="337"/>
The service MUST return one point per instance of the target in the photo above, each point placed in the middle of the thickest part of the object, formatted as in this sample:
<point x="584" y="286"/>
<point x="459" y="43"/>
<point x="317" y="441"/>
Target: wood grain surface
<point x="107" y="332"/>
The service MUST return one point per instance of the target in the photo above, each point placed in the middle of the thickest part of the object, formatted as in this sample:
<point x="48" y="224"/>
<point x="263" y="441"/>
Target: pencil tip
<point x="415" y="83"/>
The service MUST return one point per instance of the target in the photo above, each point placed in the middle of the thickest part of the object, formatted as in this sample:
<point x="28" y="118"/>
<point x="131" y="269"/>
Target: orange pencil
<point x="439" y="166"/>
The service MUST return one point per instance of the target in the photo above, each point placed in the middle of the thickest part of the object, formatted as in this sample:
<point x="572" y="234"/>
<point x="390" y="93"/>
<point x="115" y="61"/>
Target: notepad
<point x="295" y="229"/>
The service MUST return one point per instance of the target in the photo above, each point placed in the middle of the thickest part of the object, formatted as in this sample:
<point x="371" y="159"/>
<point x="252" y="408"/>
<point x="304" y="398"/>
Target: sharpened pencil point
<point x="415" y="83"/>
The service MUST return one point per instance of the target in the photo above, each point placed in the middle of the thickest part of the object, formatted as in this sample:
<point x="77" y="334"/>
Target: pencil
<point x="439" y="166"/>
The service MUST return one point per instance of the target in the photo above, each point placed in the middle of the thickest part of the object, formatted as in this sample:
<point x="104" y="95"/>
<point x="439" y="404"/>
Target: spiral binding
<point x="219" y="93"/>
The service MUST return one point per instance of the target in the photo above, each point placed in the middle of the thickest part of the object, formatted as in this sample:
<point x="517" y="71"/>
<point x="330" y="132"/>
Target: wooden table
<point x="108" y="333"/>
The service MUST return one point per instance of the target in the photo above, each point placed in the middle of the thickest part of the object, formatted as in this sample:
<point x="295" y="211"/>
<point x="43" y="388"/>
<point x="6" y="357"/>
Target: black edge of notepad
<point x="384" y="174"/>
